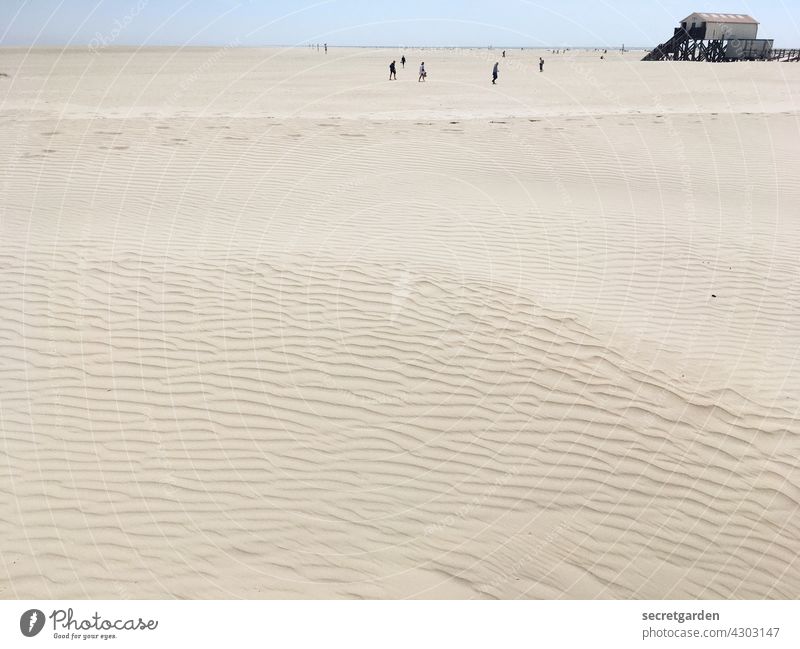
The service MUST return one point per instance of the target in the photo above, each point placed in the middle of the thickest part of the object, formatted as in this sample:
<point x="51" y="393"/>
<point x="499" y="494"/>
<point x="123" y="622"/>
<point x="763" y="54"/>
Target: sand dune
<point x="273" y="326"/>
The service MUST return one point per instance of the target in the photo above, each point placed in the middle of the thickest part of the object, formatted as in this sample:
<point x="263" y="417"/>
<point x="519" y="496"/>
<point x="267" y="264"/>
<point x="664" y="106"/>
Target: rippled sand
<point x="273" y="326"/>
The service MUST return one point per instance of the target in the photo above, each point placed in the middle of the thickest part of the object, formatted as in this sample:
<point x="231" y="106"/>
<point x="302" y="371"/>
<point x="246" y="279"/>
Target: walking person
<point x="422" y="73"/>
<point x="495" y="73"/>
<point x="326" y="48"/>
<point x="541" y="64"/>
<point x="403" y="61"/>
<point x="392" y="71"/>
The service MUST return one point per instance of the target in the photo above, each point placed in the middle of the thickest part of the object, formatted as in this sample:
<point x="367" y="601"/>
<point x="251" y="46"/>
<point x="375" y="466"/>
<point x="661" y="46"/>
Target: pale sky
<point x="506" y="23"/>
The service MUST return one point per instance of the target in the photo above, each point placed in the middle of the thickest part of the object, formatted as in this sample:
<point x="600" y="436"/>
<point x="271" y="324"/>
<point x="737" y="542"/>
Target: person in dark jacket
<point x="392" y="71"/>
<point x="495" y="73"/>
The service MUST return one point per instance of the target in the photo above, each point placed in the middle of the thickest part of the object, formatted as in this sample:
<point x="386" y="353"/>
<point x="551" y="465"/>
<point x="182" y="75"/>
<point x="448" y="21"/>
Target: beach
<point x="274" y="326"/>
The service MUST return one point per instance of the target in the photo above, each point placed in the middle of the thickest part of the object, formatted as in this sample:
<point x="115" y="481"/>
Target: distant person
<point x="392" y="71"/>
<point x="541" y="64"/>
<point x="403" y="61"/>
<point x="504" y="54"/>
<point x="326" y="48"/>
<point x="422" y="74"/>
<point x="495" y="73"/>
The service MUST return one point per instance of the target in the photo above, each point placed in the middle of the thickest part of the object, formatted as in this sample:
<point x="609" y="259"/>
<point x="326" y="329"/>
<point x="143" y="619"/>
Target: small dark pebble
<point x="712" y="295"/>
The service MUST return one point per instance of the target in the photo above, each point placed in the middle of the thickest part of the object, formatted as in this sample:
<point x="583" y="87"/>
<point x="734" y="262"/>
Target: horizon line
<point x="307" y="45"/>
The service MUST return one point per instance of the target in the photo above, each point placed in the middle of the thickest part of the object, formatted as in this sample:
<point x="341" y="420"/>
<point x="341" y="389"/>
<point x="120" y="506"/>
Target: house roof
<point x="723" y="18"/>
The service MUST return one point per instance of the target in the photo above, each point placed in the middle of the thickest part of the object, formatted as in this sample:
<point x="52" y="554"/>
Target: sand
<point x="273" y="326"/>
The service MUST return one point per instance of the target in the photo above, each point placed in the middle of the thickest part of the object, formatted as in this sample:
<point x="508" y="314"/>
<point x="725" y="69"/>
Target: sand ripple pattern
<point x="277" y="333"/>
<point x="184" y="428"/>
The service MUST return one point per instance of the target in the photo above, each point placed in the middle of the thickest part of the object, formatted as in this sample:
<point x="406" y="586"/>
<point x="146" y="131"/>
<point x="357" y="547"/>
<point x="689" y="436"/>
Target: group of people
<point x="393" y="69"/>
<point x="423" y="74"/>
